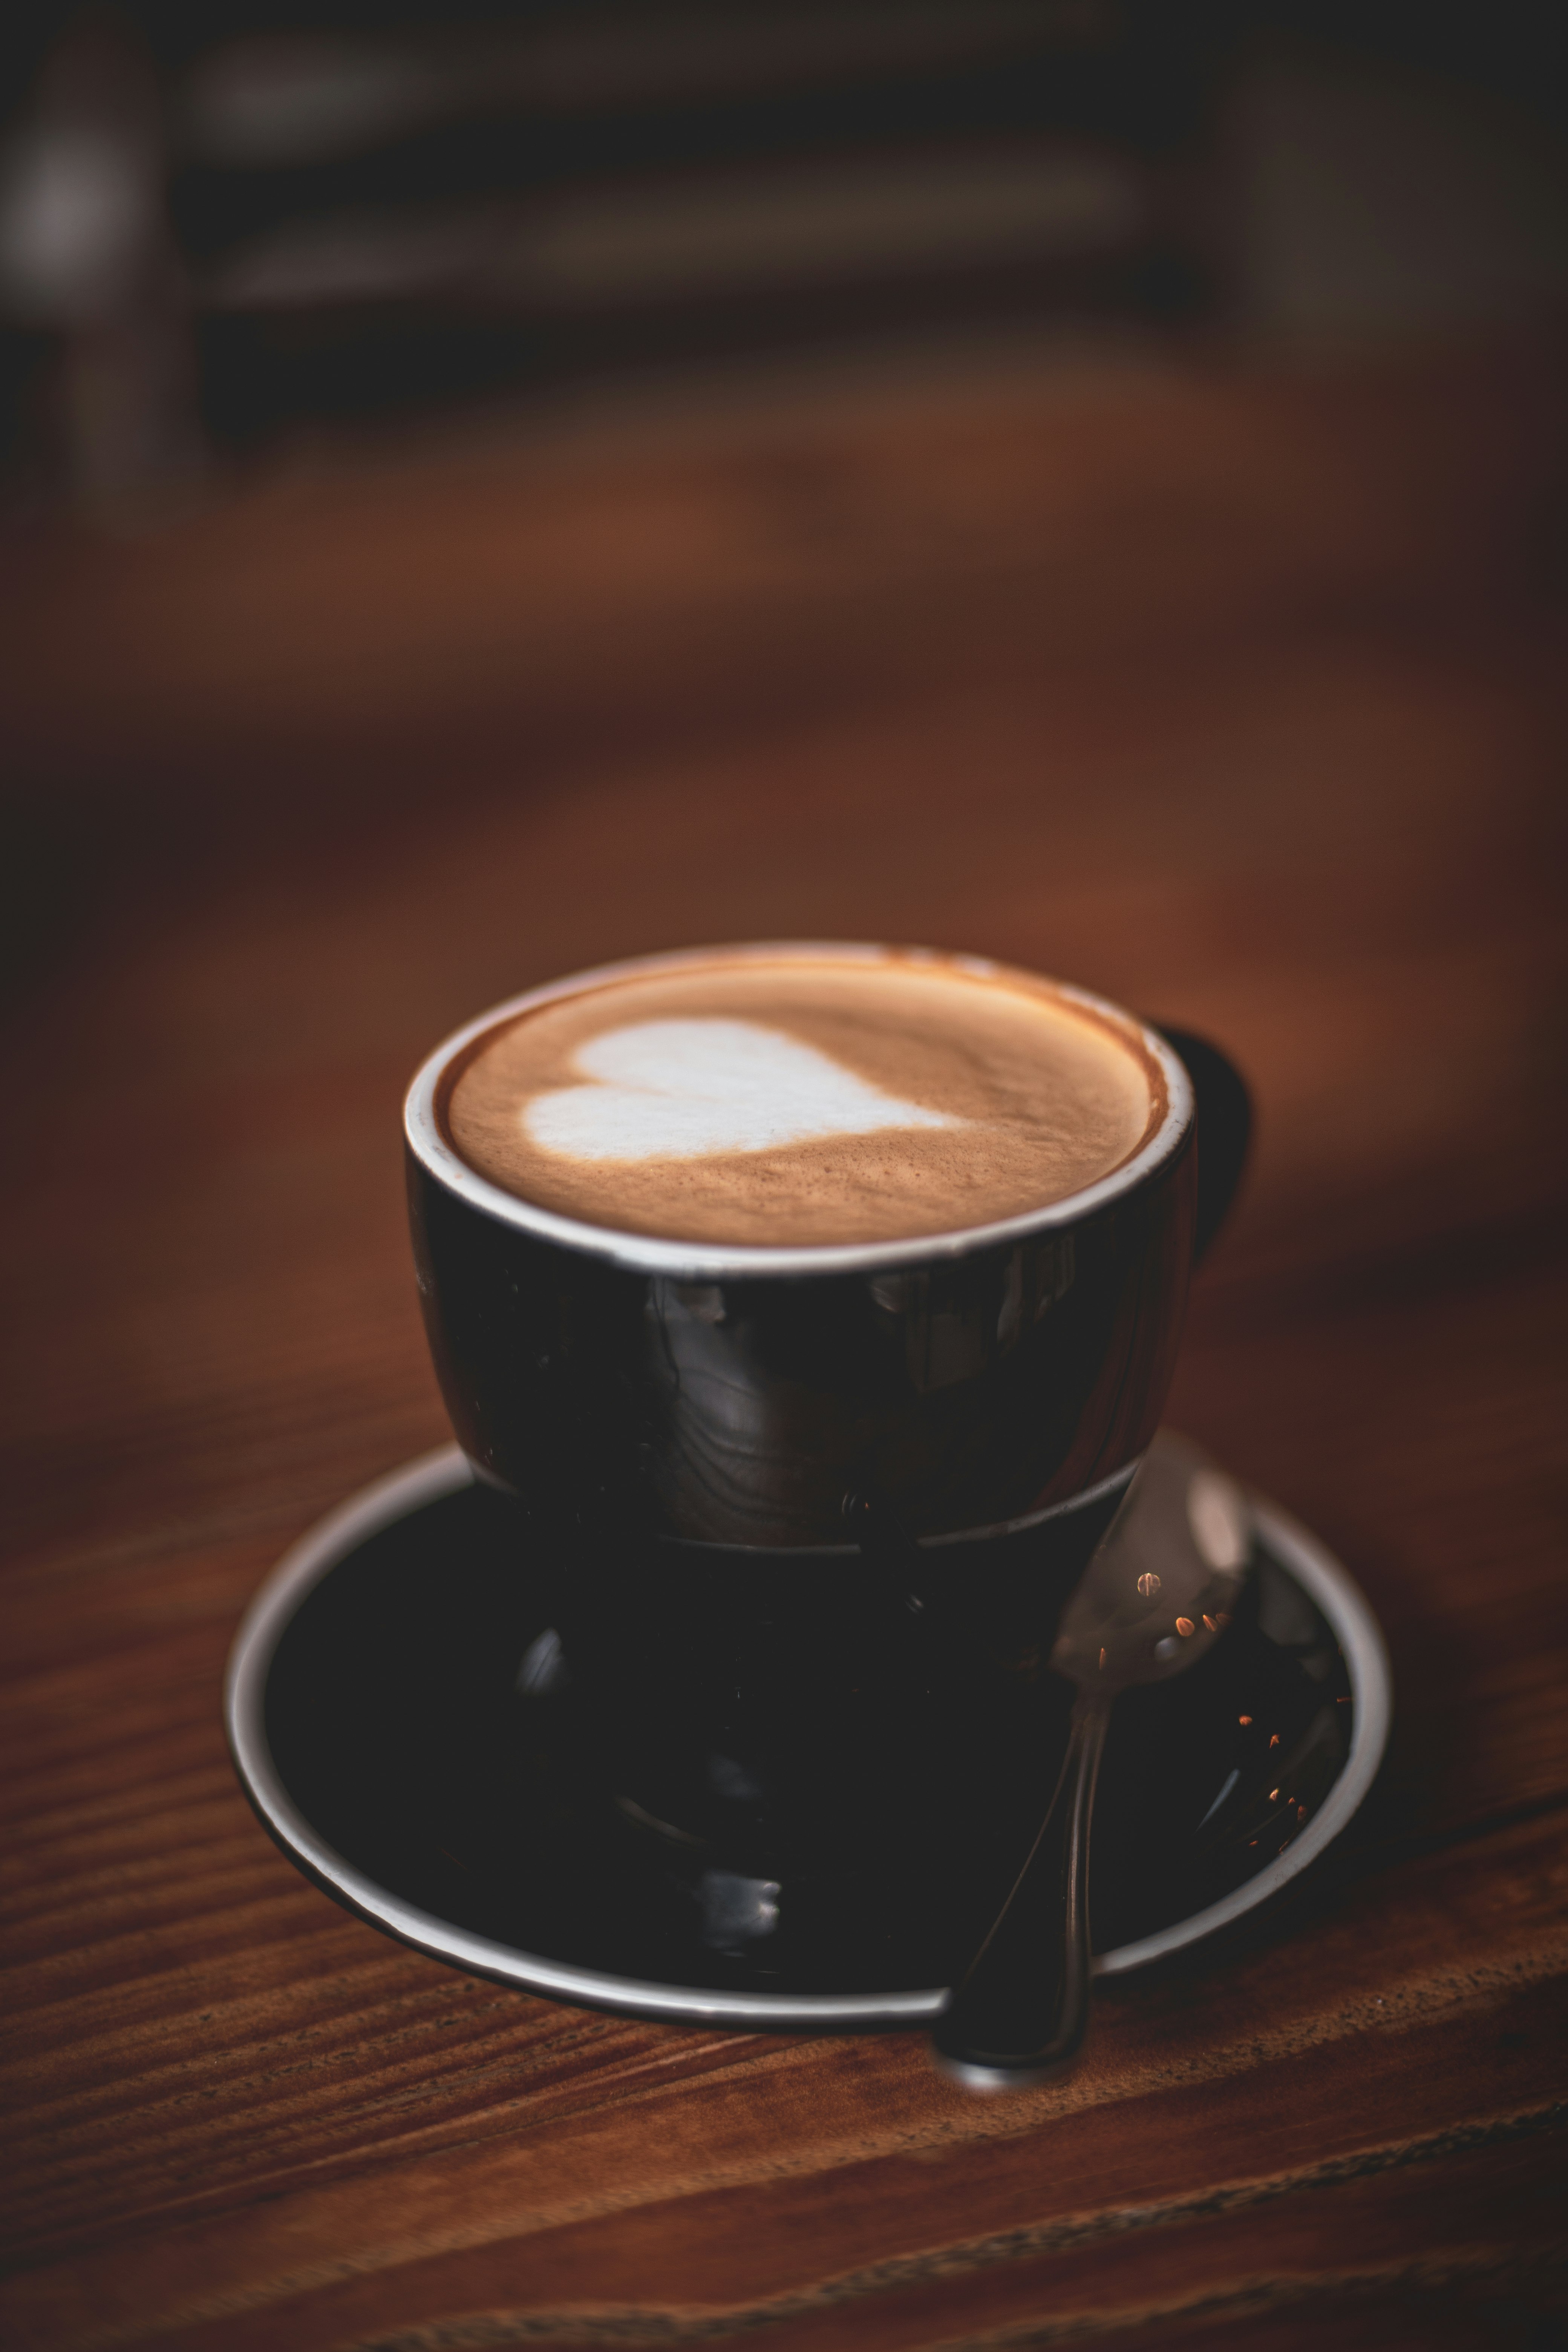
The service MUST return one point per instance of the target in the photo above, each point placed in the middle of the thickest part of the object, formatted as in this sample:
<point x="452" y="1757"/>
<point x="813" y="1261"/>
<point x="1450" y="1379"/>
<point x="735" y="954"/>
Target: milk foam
<point x="799" y="1098"/>
<point x="688" y="1089"/>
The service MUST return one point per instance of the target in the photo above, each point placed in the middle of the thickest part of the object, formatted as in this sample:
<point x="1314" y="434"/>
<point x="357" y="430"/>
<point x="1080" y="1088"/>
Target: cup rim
<point x="719" y="1261"/>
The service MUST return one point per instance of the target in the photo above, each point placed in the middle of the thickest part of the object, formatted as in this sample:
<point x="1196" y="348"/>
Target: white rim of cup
<point x="720" y="1261"/>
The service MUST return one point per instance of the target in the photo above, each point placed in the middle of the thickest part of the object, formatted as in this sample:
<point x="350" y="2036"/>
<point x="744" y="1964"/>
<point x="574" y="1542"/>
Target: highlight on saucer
<point x="690" y="1089"/>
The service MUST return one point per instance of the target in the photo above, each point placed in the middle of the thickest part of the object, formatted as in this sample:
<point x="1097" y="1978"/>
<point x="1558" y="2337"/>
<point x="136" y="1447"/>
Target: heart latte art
<point x="690" y="1089"/>
<point x="804" y="1099"/>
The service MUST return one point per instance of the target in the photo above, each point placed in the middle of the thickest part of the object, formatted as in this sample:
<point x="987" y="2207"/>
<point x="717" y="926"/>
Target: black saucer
<point x="398" y="1714"/>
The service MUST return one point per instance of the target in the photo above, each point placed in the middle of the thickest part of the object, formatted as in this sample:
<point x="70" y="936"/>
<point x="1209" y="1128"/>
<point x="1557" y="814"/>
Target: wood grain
<point x="1235" y="694"/>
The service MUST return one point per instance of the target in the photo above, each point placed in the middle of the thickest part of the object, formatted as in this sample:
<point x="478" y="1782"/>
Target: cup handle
<point x="1225" y="1129"/>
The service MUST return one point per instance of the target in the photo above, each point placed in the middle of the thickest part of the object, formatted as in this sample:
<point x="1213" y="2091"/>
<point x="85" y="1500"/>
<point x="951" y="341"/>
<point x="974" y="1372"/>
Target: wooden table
<point x="1232" y="690"/>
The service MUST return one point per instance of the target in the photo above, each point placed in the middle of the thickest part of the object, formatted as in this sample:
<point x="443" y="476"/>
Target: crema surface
<point x="803" y="1100"/>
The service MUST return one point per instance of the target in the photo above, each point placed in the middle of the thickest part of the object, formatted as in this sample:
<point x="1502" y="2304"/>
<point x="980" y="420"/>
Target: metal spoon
<point x="1156" y="1596"/>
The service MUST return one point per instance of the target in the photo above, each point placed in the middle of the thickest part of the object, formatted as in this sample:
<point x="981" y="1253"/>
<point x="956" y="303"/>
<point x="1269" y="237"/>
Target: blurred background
<point x="230" y="228"/>
<point x="285" y="284"/>
<point x="484" y="490"/>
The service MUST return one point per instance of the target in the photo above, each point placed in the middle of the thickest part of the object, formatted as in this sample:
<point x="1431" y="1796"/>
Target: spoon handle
<point x="1021" y="2012"/>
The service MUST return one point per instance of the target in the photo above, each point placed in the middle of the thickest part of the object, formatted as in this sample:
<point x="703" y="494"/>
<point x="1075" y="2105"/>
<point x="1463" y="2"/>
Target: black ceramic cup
<point x="812" y="1512"/>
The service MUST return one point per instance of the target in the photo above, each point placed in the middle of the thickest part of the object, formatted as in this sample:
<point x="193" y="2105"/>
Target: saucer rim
<point x="446" y="1470"/>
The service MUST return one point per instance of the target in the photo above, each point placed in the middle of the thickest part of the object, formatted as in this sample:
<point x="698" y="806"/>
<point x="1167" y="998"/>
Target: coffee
<point x="803" y="1098"/>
